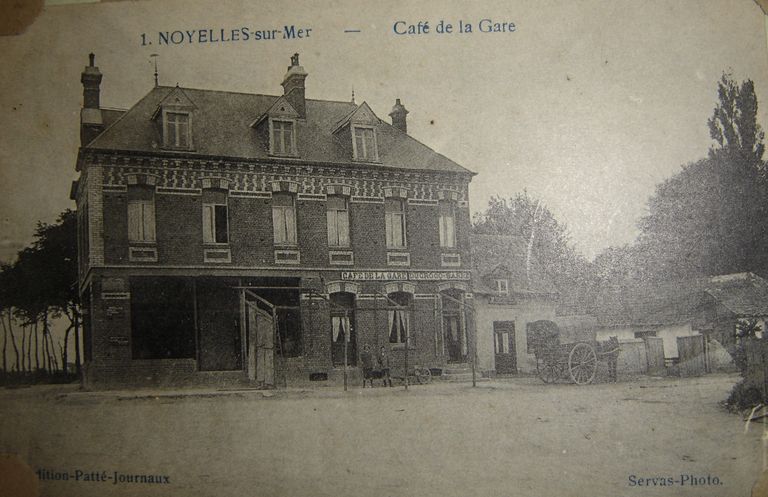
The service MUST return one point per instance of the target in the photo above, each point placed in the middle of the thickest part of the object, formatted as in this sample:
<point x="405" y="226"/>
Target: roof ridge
<point x="345" y="102"/>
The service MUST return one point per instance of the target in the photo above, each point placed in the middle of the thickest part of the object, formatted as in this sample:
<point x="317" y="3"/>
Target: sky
<point x="587" y="105"/>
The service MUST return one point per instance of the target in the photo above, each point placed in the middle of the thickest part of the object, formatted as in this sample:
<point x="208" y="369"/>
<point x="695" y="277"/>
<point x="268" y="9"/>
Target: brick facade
<point x="126" y="347"/>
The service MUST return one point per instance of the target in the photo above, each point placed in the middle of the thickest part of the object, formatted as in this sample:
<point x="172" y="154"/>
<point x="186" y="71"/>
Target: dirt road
<point x="655" y="437"/>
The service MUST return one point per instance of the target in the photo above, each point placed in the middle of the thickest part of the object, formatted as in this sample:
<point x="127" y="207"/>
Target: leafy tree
<point x="711" y="217"/>
<point x="547" y="240"/>
<point x="42" y="283"/>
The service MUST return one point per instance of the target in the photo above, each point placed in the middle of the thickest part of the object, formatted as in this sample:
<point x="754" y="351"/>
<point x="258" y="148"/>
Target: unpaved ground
<point x="504" y="438"/>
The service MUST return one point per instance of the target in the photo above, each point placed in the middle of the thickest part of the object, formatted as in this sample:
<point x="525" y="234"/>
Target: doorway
<point x="504" y="347"/>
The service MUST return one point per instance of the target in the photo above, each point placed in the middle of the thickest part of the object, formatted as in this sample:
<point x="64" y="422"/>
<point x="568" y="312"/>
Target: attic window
<point x="364" y="143"/>
<point x="502" y="287"/>
<point x="176" y="130"/>
<point x="282" y="137"/>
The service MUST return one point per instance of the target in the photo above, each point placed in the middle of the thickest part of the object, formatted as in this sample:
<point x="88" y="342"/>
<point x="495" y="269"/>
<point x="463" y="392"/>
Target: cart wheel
<point x="423" y="376"/>
<point x="582" y="363"/>
<point x="548" y="373"/>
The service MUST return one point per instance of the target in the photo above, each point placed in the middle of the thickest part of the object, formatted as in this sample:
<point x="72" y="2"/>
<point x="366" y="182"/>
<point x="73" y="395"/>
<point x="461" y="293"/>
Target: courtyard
<point x="508" y="437"/>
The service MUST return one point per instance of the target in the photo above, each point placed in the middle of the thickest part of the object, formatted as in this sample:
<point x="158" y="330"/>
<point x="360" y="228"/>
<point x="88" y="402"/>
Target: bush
<point x="743" y="396"/>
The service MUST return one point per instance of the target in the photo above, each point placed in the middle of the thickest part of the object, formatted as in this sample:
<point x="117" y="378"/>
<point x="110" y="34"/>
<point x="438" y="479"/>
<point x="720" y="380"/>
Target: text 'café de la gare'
<point x="264" y="239"/>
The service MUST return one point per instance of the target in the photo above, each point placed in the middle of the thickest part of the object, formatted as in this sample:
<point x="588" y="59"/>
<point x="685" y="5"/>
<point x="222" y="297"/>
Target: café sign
<point x="405" y="275"/>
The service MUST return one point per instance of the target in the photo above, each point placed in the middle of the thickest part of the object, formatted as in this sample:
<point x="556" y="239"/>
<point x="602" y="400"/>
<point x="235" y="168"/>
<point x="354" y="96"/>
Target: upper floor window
<point x="364" y="143"/>
<point x="141" y="214"/>
<point x="282" y="137"/>
<point x="284" y="218"/>
<point x="338" y="221"/>
<point x="177" y="130"/>
<point x="141" y="221"/>
<point x="447" y="225"/>
<point x="394" y="214"/>
<point x="215" y="217"/>
<point x="502" y="287"/>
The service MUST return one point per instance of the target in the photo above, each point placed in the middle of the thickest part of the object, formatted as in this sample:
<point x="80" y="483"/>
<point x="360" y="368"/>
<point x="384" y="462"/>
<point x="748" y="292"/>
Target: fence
<point x="692" y="354"/>
<point x="654" y="352"/>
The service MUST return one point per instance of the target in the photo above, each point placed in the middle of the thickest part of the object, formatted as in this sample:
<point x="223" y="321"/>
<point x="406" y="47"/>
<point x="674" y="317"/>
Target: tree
<point x="547" y="240"/>
<point x="42" y="283"/>
<point x="712" y="217"/>
<point x="733" y="125"/>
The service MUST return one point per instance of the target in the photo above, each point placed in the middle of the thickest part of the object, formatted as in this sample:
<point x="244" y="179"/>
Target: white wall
<point x="670" y="333"/>
<point x="522" y="314"/>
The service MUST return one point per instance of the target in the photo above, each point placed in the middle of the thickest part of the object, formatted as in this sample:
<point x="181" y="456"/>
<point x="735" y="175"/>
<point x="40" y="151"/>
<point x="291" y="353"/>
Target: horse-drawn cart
<point x="573" y="355"/>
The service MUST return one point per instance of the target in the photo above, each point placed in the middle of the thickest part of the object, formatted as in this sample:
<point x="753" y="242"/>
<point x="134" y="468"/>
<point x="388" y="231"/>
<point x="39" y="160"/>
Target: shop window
<point x="162" y="323"/>
<point x="399" y="322"/>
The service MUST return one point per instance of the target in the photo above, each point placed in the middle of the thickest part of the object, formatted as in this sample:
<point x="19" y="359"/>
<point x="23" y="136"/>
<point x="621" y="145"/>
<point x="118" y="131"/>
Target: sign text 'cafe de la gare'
<point x="405" y="275"/>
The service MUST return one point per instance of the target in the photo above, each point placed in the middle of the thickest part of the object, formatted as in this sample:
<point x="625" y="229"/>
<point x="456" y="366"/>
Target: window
<point x="283" y="137"/>
<point x="162" y="318"/>
<point x="343" y="336"/>
<point x="177" y="130"/>
<point x="284" y="218"/>
<point x="215" y="223"/>
<point x="399" y="319"/>
<point x="364" y="143"/>
<point x="338" y="221"/>
<point x="447" y="225"/>
<point x="394" y="213"/>
<point x="502" y="343"/>
<point x="141" y="221"/>
<point x="502" y="287"/>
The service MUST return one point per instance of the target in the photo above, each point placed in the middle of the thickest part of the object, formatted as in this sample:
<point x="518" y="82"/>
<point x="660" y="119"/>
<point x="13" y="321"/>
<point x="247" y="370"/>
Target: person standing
<point x="384" y="366"/>
<point x="366" y="358"/>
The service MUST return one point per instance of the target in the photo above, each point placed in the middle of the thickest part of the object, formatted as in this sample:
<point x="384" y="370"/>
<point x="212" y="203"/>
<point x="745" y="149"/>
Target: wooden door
<point x="261" y="346"/>
<point x="504" y="347"/>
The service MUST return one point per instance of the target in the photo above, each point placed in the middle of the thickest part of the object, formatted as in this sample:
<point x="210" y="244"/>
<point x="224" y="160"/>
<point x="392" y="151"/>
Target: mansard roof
<point x="221" y="127"/>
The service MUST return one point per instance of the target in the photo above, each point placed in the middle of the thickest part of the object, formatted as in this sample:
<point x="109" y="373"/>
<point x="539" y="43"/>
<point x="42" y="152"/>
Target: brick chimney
<point x="398" y="116"/>
<point x="91" y="122"/>
<point x="293" y="86"/>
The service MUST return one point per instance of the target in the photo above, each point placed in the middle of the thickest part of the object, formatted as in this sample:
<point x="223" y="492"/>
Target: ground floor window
<point x="398" y="320"/>
<point x="162" y="318"/>
<point x="343" y="333"/>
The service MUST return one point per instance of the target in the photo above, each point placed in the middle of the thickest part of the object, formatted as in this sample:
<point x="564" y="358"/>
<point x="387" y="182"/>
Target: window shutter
<point x="278" y="222"/>
<point x="208" y="224"/>
<point x="343" y="227"/>
<point x="149" y="221"/>
<point x="134" y="221"/>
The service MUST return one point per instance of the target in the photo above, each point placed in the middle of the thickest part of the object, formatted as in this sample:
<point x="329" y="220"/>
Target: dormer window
<point x="364" y="143"/>
<point x="282" y="137"/>
<point x="177" y="130"/>
<point x="502" y="287"/>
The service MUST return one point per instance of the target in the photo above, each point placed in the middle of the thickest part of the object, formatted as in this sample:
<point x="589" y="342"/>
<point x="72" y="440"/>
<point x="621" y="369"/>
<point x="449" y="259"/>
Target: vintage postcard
<point x="384" y="248"/>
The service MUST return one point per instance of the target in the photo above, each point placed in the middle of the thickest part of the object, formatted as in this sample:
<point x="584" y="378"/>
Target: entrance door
<point x="455" y="339"/>
<point x="504" y="347"/>
<point x="261" y="345"/>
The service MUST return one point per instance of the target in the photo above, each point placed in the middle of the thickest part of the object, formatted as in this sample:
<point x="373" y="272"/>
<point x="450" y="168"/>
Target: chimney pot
<point x="91" y="59"/>
<point x="293" y="86"/>
<point x="398" y="115"/>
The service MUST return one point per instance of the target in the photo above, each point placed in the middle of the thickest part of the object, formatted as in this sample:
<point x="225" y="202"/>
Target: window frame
<point x="332" y="220"/>
<point x="278" y="241"/>
<point x="167" y="113"/>
<point x="389" y="218"/>
<point x="356" y="153"/>
<point x="147" y="222"/>
<point x="214" y="226"/>
<point x="272" y="135"/>
<point x="502" y="282"/>
<point x="444" y="233"/>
